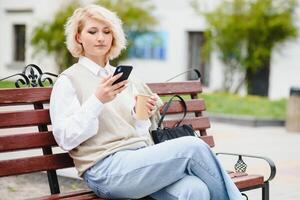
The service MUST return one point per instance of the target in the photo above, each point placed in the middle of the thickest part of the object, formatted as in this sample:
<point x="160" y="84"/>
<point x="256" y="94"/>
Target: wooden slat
<point x="24" y="118"/>
<point x="26" y="141"/>
<point x="198" y="123"/>
<point x="84" y="197"/>
<point x="35" y="164"/>
<point x="237" y="174"/>
<point x="248" y="181"/>
<point x="70" y="195"/>
<point x="24" y="95"/>
<point x="209" y="140"/>
<point x="194" y="105"/>
<point x="188" y="87"/>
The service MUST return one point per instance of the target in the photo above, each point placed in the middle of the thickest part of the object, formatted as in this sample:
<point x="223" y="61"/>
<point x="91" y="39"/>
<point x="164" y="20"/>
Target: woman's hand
<point x="151" y="104"/>
<point x="106" y="92"/>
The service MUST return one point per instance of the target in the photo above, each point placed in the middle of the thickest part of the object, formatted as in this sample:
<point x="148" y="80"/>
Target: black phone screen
<point x="126" y="69"/>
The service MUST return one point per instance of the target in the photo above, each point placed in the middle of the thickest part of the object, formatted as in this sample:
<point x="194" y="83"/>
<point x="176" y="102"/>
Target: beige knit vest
<point x="116" y="130"/>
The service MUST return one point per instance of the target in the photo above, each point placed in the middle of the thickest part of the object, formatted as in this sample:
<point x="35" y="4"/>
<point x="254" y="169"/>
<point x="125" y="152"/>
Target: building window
<point x="19" y="42"/>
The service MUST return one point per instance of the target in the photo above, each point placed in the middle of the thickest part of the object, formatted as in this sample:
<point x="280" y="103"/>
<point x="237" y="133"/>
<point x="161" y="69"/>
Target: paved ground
<point x="274" y="142"/>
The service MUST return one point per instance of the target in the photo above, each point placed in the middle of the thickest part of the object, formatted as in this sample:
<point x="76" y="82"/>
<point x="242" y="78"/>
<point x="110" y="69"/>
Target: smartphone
<point x="126" y="69"/>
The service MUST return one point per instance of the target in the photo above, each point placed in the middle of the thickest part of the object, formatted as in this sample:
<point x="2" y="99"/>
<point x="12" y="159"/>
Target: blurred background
<point x="241" y="46"/>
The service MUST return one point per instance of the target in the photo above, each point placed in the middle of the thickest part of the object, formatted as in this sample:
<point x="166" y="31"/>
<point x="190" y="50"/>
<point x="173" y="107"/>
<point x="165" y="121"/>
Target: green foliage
<point x="250" y="105"/>
<point x="7" y="84"/>
<point x="48" y="37"/>
<point x="255" y="106"/>
<point x="245" y="32"/>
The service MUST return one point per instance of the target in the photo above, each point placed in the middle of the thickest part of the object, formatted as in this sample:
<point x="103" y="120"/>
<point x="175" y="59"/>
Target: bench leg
<point x="265" y="191"/>
<point x="53" y="182"/>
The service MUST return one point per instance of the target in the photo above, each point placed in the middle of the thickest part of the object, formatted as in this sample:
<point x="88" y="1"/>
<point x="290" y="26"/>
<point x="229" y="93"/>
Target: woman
<point x="112" y="150"/>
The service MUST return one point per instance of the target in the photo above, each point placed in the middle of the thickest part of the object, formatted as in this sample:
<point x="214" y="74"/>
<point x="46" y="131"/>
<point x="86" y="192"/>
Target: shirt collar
<point x="95" y="68"/>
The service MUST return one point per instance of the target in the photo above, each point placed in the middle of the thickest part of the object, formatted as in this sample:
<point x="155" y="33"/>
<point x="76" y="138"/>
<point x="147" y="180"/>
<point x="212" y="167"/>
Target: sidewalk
<point x="274" y="142"/>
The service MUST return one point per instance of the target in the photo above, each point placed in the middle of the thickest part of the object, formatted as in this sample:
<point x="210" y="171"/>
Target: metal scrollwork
<point x="32" y="76"/>
<point x="44" y="78"/>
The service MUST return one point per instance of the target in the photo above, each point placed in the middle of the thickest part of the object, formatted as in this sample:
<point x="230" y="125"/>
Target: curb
<point x="244" y="120"/>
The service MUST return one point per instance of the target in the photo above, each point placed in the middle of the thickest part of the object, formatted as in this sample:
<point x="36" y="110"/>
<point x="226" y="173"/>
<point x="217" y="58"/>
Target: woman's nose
<point x="100" y="37"/>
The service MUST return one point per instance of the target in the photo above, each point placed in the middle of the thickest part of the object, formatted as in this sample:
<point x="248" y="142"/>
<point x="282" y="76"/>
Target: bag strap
<point x="167" y="107"/>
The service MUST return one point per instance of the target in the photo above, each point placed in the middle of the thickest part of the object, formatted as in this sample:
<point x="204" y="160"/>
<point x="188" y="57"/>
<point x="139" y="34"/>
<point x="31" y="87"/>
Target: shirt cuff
<point x="93" y="105"/>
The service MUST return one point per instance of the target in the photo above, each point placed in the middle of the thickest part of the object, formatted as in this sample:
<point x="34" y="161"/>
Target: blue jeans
<point x="184" y="168"/>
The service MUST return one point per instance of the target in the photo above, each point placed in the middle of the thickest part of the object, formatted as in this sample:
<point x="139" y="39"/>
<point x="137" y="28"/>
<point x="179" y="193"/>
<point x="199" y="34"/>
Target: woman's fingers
<point x="119" y="90"/>
<point x="113" y="78"/>
<point x="152" y="100"/>
<point x="119" y="85"/>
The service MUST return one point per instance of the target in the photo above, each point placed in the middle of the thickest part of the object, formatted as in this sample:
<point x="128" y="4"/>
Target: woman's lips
<point x="100" y="46"/>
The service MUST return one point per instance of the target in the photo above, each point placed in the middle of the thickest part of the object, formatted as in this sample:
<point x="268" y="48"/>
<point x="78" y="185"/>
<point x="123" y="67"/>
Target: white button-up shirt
<point x="73" y="123"/>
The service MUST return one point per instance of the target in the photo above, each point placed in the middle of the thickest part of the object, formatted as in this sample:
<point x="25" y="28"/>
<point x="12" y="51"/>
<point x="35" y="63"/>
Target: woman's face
<point x="96" y="38"/>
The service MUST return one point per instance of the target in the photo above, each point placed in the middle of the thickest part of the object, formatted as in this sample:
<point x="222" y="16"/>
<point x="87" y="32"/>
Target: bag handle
<point x="167" y="107"/>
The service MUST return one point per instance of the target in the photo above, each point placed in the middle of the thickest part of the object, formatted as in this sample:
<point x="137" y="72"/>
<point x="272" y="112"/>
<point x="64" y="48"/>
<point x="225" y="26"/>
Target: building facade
<point x="174" y="48"/>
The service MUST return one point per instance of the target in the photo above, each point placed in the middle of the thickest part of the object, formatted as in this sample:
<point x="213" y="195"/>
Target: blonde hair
<point x="75" y="25"/>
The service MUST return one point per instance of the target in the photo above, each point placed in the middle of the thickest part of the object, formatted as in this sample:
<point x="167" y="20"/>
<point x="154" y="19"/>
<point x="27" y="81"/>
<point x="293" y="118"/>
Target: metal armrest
<point x="268" y="160"/>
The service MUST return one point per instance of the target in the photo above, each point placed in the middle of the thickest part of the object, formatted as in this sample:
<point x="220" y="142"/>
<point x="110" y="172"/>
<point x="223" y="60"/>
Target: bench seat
<point x="240" y="179"/>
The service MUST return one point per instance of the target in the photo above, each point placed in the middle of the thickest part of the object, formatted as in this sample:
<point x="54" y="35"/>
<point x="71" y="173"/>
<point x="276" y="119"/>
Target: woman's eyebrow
<point x="93" y="27"/>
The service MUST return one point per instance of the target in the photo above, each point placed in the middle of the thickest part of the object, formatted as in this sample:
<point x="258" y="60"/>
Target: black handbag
<point x="160" y="135"/>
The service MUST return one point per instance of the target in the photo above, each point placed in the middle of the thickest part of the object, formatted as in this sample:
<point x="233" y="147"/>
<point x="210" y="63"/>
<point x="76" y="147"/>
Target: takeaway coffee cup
<point x="141" y="109"/>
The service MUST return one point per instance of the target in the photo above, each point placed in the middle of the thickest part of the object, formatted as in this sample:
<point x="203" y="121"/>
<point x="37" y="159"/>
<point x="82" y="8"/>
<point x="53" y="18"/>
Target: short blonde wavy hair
<point x="75" y="25"/>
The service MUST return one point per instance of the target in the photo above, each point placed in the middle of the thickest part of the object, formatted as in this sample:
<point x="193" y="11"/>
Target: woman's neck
<point x="98" y="60"/>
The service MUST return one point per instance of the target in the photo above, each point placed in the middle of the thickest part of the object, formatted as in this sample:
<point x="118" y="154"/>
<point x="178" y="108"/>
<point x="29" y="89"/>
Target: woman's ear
<point x="78" y="38"/>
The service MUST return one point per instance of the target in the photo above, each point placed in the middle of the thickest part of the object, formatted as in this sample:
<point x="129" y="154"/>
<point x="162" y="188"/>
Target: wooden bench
<point x="37" y="115"/>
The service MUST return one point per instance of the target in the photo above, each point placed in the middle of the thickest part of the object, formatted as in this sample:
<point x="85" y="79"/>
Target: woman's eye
<point x="92" y="32"/>
<point x="106" y="31"/>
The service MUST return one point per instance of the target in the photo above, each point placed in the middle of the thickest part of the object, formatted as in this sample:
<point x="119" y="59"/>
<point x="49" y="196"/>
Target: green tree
<point x="245" y="32"/>
<point x="48" y="37"/>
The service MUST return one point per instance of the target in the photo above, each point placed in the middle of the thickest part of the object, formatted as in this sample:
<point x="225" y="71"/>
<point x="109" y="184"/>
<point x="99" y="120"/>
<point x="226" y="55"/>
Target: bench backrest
<point x="37" y="115"/>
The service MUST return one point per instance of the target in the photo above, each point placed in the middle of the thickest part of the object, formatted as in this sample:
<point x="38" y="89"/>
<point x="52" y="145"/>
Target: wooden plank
<point x="68" y="195"/>
<point x="198" y="123"/>
<point x="24" y="118"/>
<point x="26" y="141"/>
<point x="24" y="95"/>
<point x="35" y="164"/>
<point x="209" y="140"/>
<point x="90" y="196"/>
<point x="248" y="181"/>
<point x="188" y="87"/>
<point x="194" y="105"/>
<point x="237" y="174"/>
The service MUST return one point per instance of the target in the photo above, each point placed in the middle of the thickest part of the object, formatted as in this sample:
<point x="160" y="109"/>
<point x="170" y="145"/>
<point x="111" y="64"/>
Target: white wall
<point x="285" y="70"/>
